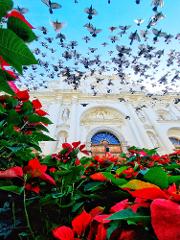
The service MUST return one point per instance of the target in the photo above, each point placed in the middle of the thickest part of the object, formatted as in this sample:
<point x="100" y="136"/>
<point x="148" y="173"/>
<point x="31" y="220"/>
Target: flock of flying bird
<point x="145" y="65"/>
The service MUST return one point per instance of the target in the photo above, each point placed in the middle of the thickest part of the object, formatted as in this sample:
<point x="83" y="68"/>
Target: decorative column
<point x="144" y="139"/>
<point x="136" y="127"/>
<point x="166" y="147"/>
<point x="54" y="115"/>
<point x="74" y="121"/>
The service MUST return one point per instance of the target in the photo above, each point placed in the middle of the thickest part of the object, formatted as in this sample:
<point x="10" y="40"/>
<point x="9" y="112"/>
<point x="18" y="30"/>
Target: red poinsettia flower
<point x="81" y="148"/>
<point x="129" y="173"/>
<point x="32" y="188"/>
<point x="23" y="95"/>
<point x="76" y="144"/>
<point x="99" y="159"/>
<point x="81" y="222"/>
<point x="52" y="169"/>
<point x="37" y="107"/>
<point x="63" y="233"/>
<point x="165" y="219"/>
<point x="12" y="172"/>
<point x="36" y="104"/>
<point x="17" y="14"/>
<point x="174" y="193"/>
<point x="35" y="169"/>
<point x="98" y="177"/>
<point x="177" y="152"/>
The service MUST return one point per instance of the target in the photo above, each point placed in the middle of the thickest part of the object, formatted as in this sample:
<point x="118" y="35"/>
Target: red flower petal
<point x="63" y="233"/>
<point x="47" y="178"/>
<point x="101" y="232"/>
<point x="127" y="235"/>
<point x="98" y="177"/>
<point x="66" y="145"/>
<point x="35" y="189"/>
<point x="23" y="95"/>
<point x="52" y="169"/>
<point x="102" y="218"/>
<point x="139" y="203"/>
<point x="41" y="112"/>
<point x="149" y="193"/>
<point x="81" y="222"/>
<point x="35" y="169"/>
<point x="36" y="104"/>
<point x="3" y="63"/>
<point x="17" y="14"/>
<point x="119" y="206"/>
<point x="96" y="211"/>
<point x="12" y="74"/>
<point x="82" y="146"/>
<point x="76" y="144"/>
<point x="85" y="152"/>
<point x="12" y="172"/>
<point x="173" y="192"/>
<point x="165" y="219"/>
<point x="13" y="86"/>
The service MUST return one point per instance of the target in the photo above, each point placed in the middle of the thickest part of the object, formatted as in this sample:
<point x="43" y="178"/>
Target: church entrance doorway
<point x="104" y="142"/>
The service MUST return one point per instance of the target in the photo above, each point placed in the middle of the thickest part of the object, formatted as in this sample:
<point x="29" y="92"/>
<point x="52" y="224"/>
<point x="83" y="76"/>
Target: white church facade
<point x="123" y="119"/>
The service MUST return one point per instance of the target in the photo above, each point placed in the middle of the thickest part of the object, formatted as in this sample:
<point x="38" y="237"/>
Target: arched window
<point x="175" y="142"/>
<point x="99" y="137"/>
<point x="104" y="142"/>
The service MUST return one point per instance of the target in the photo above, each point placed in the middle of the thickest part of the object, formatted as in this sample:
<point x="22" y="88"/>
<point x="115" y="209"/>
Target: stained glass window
<point x="99" y="137"/>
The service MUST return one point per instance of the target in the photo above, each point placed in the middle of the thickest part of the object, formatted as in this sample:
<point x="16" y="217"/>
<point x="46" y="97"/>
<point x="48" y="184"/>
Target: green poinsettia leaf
<point x="34" y="118"/>
<point x="5" y="6"/>
<point x="93" y="186"/>
<point x="157" y="176"/>
<point x="14" y="50"/>
<point x="4" y="78"/>
<point x="12" y="188"/>
<point x="2" y="109"/>
<point x="21" y="29"/>
<point x="128" y="214"/>
<point x="174" y="179"/>
<point x="37" y="136"/>
<point x="112" y="227"/>
<point x="114" y="180"/>
<point x="13" y="117"/>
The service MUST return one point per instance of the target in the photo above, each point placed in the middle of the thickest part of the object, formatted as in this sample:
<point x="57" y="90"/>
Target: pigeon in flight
<point x="51" y="5"/>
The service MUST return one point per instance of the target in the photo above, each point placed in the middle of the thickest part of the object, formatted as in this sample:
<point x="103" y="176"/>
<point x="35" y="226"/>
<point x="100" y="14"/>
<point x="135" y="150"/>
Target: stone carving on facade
<point x="100" y="115"/>
<point x="65" y="114"/>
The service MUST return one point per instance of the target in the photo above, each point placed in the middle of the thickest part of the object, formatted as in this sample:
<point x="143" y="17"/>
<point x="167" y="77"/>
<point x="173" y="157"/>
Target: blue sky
<point x="119" y="12"/>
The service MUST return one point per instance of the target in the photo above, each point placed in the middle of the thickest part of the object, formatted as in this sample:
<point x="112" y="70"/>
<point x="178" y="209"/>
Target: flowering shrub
<point x="62" y="196"/>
